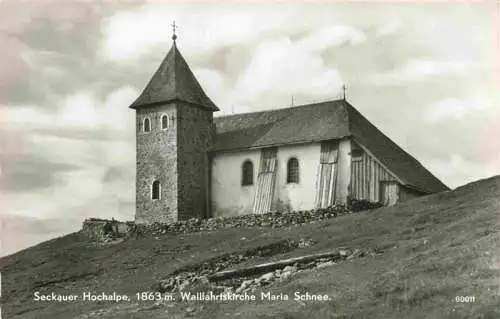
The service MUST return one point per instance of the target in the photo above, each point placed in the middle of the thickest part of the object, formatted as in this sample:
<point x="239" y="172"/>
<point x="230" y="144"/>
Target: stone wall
<point x="273" y="220"/>
<point x="94" y="227"/>
<point x="102" y="230"/>
<point x="156" y="154"/>
<point x="194" y="136"/>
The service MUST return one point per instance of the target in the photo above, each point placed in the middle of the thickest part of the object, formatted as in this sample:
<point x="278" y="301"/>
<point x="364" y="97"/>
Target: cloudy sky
<point x="426" y="74"/>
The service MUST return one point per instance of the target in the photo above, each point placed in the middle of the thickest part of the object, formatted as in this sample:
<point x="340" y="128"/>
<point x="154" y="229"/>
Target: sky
<point x="426" y="74"/>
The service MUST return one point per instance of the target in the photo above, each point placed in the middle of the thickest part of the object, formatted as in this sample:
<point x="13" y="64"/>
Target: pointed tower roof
<point x="174" y="81"/>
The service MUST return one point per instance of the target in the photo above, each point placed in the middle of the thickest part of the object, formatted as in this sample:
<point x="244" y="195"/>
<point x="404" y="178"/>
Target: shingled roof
<point x="319" y="122"/>
<point x="174" y="81"/>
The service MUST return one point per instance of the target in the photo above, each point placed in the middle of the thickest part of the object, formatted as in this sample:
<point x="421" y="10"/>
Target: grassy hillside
<point x="432" y="249"/>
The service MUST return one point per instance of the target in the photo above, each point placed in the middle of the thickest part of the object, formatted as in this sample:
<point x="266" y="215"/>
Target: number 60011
<point x="465" y="299"/>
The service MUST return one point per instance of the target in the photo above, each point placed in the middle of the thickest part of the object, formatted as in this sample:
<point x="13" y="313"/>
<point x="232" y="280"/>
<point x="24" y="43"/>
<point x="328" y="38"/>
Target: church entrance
<point x="327" y="175"/>
<point x="266" y="181"/>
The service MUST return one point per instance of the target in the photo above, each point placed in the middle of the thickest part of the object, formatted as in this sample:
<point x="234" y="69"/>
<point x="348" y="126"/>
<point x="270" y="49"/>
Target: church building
<point x="192" y="164"/>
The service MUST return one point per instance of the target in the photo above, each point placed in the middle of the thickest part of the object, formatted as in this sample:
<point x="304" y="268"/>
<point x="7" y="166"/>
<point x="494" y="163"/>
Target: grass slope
<point x="434" y="248"/>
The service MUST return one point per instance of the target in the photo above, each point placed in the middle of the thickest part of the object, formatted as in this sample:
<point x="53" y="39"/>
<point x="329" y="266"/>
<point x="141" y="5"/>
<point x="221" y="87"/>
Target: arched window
<point x="247" y="173"/>
<point x="164" y="122"/>
<point x="292" y="171"/>
<point x="155" y="190"/>
<point x="147" y="125"/>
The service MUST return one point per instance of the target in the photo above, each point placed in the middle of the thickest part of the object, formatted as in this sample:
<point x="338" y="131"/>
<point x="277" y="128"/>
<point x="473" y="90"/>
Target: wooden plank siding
<point x="366" y="175"/>
<point x="389" y="192"/>
<point x="343" y="171"/>
<point x="327" y="175"/>
<point x="266" y="181"/>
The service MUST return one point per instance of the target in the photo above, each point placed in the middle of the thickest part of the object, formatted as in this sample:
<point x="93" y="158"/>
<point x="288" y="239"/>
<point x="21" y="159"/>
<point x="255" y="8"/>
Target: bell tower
<point x="174" y="130"/>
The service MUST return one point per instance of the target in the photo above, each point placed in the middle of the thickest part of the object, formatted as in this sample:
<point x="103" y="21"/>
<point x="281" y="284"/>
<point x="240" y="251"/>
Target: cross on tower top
<point x="174" y="27"/>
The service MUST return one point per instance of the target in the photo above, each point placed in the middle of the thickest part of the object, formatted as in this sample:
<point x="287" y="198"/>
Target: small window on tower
<point x="164" y="122"/>
<point x="155" y="190"/>
<point x="147" y="125"/>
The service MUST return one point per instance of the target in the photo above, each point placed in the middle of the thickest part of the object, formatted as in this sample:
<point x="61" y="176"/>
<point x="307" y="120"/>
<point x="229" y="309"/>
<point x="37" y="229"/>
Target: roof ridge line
<point x="281" y="108"/>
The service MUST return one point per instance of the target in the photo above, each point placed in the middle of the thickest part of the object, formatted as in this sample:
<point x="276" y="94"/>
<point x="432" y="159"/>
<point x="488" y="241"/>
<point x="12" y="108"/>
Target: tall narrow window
<point x="164" y="122"/>
<point x="147" y="125"/>
<point x="247" y="173"/>
<point x="292" y="171"/>
<point x="155" y="190"/>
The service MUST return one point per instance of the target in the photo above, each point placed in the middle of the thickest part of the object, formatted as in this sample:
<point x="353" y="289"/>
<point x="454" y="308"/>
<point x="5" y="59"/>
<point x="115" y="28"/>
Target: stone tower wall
<point x="195" y="136"/>
<point x="156" y="155"/>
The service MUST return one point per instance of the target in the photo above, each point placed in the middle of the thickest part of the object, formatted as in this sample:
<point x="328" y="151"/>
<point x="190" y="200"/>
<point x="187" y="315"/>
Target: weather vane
<point x="174" y="27"/>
